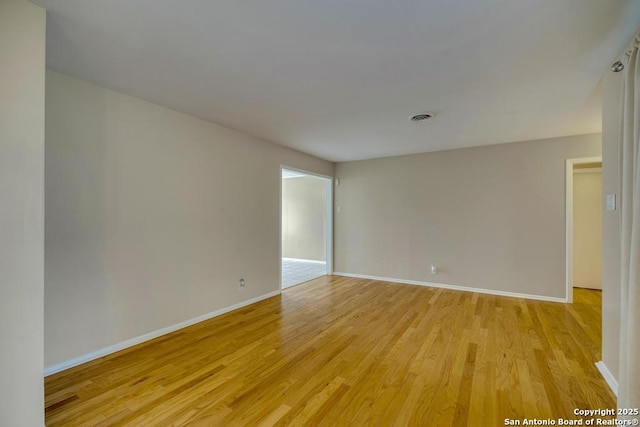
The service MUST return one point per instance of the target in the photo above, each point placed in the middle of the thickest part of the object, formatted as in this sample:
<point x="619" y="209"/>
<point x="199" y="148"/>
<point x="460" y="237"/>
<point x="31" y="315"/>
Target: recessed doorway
<point x="584" y="225"/>
<point x="306" y="218"/>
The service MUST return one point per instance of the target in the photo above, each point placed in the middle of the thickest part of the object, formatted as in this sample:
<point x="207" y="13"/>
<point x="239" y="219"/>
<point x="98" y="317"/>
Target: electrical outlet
<point x="434" y="269"/>
<point x="241" y="284"/>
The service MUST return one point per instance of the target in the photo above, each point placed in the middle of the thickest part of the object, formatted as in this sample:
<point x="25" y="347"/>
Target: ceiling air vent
<point x="421" y="117"/>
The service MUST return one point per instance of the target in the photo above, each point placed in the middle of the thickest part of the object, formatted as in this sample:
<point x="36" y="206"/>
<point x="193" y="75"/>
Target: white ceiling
<point x="340" y="78"/>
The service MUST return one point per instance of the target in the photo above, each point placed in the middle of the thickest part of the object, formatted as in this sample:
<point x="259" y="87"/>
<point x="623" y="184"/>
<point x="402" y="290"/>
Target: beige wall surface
<point x="151" y="217"/>
<point x="489" y="217"/>
<point x="611" y="101"/>
<point x="587" y="229"/>
<point x="22" y="68"/>
<point x="304" y="218"/>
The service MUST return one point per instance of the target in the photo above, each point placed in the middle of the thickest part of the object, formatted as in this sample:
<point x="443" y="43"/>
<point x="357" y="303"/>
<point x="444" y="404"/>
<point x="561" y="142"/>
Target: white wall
<point x="611" y="101"/>
<point x="304" y="218"/>
<point x="22" y="56"/>
<point x="587" y="228"/>
<point x="489" y="217"/>
<point x="152" y="216"/>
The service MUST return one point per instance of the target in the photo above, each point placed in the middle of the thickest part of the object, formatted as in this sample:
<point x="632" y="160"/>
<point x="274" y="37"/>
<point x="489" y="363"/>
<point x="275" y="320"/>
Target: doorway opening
<point x="306" y="226"/>
<point x="584" y="230"/>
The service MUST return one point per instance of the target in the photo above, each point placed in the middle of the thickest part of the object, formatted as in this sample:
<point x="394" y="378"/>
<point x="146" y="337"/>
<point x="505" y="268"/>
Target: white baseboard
<point x="608" y="377"/>
<point x="453" y="287"/>
<point x="58" y="367"/>
<point x="304" y="260"/>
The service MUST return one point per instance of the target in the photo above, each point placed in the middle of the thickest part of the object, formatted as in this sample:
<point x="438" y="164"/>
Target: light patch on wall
<point x="286" y="173"/>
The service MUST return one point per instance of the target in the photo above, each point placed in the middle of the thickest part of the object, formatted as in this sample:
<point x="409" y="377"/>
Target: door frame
<point x="329" y="209"/>
<point x="569" y="220"/>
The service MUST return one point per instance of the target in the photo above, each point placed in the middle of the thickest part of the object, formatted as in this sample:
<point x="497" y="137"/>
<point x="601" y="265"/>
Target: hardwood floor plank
<point x="464" y="398"/>
<point x="340" y="351"/>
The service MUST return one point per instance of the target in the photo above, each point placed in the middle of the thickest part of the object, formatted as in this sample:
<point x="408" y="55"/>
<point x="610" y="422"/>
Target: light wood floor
<point x="351" y="352"/>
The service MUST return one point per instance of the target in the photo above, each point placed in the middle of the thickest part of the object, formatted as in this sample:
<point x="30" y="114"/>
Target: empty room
<point x="336" y="213"/>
